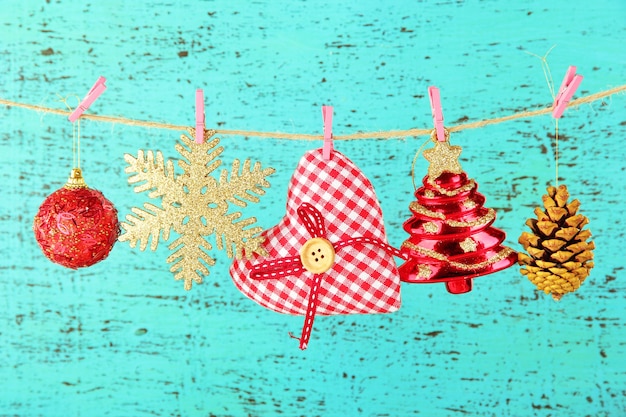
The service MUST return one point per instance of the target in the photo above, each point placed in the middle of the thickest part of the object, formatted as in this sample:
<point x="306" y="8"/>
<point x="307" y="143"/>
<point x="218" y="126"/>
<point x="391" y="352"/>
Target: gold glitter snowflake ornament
<point x="195" y="205"/>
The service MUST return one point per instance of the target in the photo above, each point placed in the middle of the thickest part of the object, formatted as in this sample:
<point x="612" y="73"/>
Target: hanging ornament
<point x="559" y="255"/>
<point x="328" y="255"/>
<point x="76" y="226"/>
<point x="452" y="239"/>
<point x="195" y="205"/>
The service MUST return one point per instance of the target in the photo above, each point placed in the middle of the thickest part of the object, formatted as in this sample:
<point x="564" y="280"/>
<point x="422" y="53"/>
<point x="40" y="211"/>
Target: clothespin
<point x="199" y="115"/>
<point x="568" y="88"/>
<point x="327" y="115"/>
<point x="435" y="107"/>
<point x="97" y="89"/>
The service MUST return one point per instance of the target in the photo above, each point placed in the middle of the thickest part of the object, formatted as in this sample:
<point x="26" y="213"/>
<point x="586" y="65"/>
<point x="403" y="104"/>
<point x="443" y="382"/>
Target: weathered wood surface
<point x="124" y="339"/>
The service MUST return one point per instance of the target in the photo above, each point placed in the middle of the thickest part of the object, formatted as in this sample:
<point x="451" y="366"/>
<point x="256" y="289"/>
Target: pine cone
<point x="559" y="256"/>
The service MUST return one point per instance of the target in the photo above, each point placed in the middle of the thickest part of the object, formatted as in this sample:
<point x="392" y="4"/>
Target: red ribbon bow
<point x="279" y="268"/>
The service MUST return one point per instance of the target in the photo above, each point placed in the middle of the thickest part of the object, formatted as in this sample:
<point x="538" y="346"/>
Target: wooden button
<point x="317" y="255"/>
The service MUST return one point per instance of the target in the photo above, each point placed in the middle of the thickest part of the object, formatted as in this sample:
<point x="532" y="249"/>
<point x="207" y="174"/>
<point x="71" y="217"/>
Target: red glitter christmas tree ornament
<point x="76" y="226"/>
<point x="452" y="239"/>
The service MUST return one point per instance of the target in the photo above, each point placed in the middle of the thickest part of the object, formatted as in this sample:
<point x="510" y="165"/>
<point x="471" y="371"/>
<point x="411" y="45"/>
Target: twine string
<point x="390" y="134"/>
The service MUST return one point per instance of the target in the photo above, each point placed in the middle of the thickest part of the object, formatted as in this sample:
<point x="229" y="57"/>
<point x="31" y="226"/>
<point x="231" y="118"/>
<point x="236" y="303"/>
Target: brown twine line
<point x="389" y="134"/>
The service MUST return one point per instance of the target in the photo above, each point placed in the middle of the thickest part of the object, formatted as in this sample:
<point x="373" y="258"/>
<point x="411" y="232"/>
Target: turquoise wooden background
<point x="123" y="338"/>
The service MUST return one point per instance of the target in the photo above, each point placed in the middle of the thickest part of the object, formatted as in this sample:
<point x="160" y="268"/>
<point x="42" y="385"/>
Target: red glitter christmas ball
<point x="76" y="226"/>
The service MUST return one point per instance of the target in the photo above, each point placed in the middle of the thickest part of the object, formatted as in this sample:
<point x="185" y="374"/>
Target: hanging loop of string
<point x="556" y="152"/>
<point x="547" y="74"/>
<point x="75" y="133"/>
<point x="550" y="81"/>
<point x="77" y="139"/>
<point x="432" y="138"/>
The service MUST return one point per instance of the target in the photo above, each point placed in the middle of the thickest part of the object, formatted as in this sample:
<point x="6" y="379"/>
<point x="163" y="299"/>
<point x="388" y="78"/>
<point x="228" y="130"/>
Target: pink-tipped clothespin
<point x="199" y="115"/>
<point x="97" y="89"/>
<point x="435" y="107"/>
<point x="568" y="88"/>
<point x="327" y="115"/>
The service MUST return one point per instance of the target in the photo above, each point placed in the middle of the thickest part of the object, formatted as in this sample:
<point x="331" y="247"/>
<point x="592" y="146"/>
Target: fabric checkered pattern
<point x="364" y="278"/>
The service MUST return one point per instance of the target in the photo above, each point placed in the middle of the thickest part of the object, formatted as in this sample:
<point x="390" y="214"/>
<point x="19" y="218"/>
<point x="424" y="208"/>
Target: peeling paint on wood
<point x="124" y="339"/>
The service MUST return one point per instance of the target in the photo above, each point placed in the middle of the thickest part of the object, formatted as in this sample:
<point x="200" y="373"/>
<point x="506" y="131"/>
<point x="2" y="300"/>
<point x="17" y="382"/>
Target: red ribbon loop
<point x="312" y="219"/>
<point x="277" y="268"/>
<point x="371" y="241"/>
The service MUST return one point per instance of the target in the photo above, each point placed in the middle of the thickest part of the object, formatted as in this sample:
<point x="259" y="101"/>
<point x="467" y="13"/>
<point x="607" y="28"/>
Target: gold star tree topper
<point x="443" y="158"/>
<point x="195" y="205"/>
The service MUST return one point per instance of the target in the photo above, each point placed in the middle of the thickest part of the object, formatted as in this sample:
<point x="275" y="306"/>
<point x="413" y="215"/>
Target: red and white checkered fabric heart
<point x="363" y="278"/>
